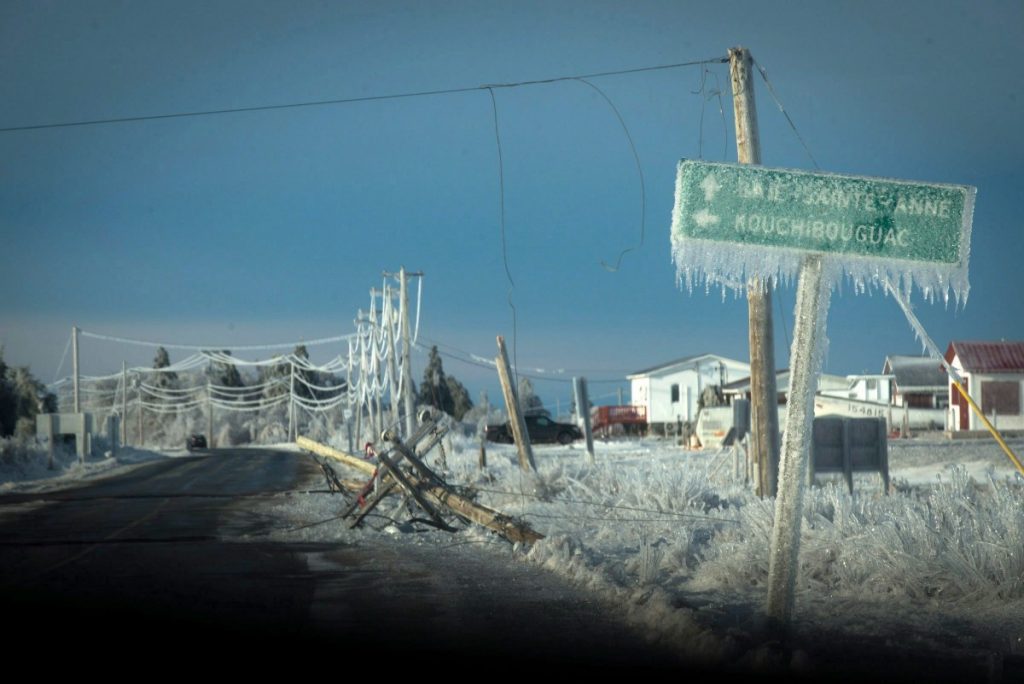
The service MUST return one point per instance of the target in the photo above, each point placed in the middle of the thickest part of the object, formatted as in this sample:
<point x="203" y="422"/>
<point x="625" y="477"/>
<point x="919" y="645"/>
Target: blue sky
<point x="272" y="226"/>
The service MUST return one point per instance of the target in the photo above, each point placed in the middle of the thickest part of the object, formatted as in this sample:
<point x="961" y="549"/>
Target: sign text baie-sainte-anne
<point x="823" y="212"/>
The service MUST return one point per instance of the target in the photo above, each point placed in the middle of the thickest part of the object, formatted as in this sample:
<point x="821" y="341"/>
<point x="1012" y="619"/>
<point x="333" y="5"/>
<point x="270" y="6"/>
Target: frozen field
<point x="676" y="540"/>
<point x="681" y="545"/>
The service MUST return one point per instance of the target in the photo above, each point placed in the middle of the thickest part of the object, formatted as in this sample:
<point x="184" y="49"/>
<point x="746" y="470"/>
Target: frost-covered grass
<point x="660" y="530"/>
<point x="681" y="544"/>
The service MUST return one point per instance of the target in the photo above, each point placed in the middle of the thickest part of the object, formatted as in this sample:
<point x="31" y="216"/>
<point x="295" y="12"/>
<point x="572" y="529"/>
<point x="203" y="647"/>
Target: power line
<point x="236" y="347"/>
<point x="778" y="103"/>
<point x="490" y="366"/>
<point x="351" y="100"/>
<point x="640" y="173"/>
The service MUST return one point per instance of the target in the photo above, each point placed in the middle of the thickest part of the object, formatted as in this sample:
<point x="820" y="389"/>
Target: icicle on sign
<point x="732" y="222"/>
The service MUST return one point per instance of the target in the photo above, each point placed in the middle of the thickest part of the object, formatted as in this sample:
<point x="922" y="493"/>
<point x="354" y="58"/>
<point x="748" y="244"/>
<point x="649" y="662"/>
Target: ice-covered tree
<point x="529" y="402"/>
<point x="442" y="391"/>
<point x="22" y="398"/>
<point x="461" y="403"/>
<point x="165" y="379"/>
<point x="225" y="373"/>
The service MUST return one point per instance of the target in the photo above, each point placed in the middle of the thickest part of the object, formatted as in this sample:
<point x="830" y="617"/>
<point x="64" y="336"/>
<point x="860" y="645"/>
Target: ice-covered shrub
<point x="25" y="459"/>
<point x="956" y="541"/>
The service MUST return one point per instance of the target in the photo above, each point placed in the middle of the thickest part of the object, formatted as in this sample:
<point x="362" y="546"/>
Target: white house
<point x="670" y="392"/>
<point x="827" y="384"/>
<point x="993" y="373"/>
<point x="864" y="387"/>
<point x="917" y="382"/>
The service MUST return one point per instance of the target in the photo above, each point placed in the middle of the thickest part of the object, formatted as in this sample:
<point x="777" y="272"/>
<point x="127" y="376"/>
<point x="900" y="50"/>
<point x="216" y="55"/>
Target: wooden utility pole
<point x="764" y="405"/>
<point x="387" y="314"/>
<point x="583" y="411"/>
<point x="209" y="415"/>
<point x="483" y="429"/>
<point x="515" y="416"/>
<point x="291" y="402"/>
<point x="348" y="394"/>
<point x="74" y="369"/>
<point x="124" y="403"/>
<point x="138" y="397"/>
<point x="410" y="406"/>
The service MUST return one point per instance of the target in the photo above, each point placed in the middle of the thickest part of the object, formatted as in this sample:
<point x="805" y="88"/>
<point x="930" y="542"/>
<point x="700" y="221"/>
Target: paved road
<point x="139" y="564"/>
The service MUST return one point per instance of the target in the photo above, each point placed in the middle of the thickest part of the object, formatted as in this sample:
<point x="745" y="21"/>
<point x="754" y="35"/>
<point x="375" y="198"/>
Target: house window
<point x="1000" y="397"/>
<point x="675" y="394"/>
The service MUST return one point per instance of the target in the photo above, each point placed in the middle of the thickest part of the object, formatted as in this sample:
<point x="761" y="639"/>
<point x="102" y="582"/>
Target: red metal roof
<point x="985" y="357"/>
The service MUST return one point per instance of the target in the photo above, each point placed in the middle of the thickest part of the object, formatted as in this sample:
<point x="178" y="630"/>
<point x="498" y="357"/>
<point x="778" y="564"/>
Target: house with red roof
<point x="993" y="374"/>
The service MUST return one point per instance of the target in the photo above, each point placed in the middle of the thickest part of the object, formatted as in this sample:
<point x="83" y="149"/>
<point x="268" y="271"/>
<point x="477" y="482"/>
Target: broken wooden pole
<point x="515" y="416"/>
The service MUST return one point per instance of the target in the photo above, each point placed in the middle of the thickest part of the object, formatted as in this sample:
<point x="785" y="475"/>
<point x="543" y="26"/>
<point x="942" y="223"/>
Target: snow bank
<point x="24" y="465"/>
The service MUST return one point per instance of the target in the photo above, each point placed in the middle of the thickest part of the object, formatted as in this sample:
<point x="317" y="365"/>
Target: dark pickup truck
<point x="540" y="429"/>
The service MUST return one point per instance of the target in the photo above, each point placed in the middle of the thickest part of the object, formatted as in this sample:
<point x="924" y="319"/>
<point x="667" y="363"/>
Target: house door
<point x="964" y="407"/>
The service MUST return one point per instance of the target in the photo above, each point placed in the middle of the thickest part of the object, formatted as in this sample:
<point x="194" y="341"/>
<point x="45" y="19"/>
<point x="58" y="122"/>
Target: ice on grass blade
<point x="733" y="223"/>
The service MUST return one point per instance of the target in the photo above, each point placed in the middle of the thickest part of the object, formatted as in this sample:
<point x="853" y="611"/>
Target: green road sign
<point x="823" y="212"/>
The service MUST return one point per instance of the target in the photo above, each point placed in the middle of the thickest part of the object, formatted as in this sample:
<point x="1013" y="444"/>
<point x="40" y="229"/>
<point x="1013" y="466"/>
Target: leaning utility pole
<point x="515" y="415"/>
<point x="764" y="404"/>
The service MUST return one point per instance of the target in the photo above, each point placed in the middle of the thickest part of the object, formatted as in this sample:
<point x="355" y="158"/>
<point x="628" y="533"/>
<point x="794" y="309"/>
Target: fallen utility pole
<point x="515" y="416"/>
<point x="764" y="404"/>
<point x="426" y="487"/>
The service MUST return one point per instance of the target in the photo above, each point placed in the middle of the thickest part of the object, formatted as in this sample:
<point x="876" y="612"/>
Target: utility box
<point x="51" y="425"/>
<point x="848" y="446"/>
<point x="719" y="426"/>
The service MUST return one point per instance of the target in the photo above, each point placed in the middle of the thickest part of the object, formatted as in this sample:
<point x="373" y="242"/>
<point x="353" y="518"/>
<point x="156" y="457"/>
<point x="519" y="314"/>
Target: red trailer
<point x="604" y="418"/>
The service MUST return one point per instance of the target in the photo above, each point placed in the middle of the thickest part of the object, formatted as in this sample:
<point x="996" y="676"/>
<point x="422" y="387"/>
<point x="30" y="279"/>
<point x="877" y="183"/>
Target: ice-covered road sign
<point x="823" y="212"/>
<point x="908" y="226"/>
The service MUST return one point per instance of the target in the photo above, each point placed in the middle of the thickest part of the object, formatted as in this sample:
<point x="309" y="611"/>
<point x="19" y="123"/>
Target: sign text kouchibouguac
<point x="823" y="212"/>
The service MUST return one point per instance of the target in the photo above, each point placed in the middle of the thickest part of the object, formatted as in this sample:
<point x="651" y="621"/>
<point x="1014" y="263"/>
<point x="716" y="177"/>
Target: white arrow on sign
<point x="705" y="218"/>
<point x="710" y="186"/>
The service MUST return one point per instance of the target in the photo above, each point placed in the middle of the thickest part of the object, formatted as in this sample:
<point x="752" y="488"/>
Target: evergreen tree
<point x="225" y="373"/>
<point x="529" y="402"/>
<point x="310" y="376"/>
<point x="8" y="402"/>
<point x="22" y="398"/>
<point x="167" y="379"/>
<point x="461" y="403"/>
<point x="442" y="391"/>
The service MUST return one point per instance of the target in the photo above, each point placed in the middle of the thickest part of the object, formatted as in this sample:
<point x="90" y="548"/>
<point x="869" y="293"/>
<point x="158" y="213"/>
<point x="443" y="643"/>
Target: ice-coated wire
<point x="639" y="171"/>
<point x="419" y="300"/>
<point x="319" y="388"/>
<point x="207" y="347"/>
<point x="63" y="358"/>
<point x="778" y="103"/>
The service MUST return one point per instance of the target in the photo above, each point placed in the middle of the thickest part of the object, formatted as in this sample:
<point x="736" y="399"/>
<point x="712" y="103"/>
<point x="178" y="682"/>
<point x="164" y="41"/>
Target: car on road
<point x="195" y="442"/>
<point x="540" y="429"/>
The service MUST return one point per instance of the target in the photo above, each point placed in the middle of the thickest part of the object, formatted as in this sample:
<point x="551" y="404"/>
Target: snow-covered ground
<point x="25" y="467"/>
<point x="679" y="542"/>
